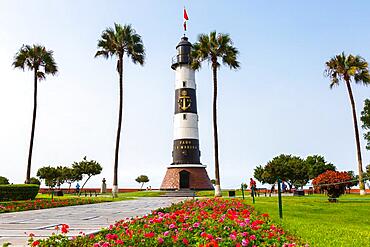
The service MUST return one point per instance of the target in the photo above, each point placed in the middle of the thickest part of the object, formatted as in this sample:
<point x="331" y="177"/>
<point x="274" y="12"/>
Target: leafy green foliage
<point x="212" y="47"/>
<point x="4" y="180"/>
<point x="353" y="177"/>
<point x="34" y="58"/>
<point x="347" y="68"/>
<point x="120" y="41"/>
<point x="34" y="180"/>
<point x="87" y="167"/>
<point x="365" y="118"/>
<point x="142" y="179"/>
<point x="71" y="175"/>
<point x="292" y="169"/>
<point x="50" y="175"/>
<point x="317" y="165"/>
<point x="10" y="192"/>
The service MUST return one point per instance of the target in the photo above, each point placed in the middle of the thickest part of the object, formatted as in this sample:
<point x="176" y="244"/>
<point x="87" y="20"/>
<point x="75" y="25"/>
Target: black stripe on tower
<point x="186" y="151"/>
<point x="185" y="100"/>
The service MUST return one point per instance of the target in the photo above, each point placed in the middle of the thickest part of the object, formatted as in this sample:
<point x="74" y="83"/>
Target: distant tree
<point x="34" y="180"/>
<point x="365" y="118"/>
<point x="87" y="167"/>
<point x="291" y="169"/>
<point x="350" y="68"/>
<point x="4" y="180"/>
<point x="317" y="165"/>
<point x="41" y="62"/>
<point x="50" y="176"/>
<point x="118" y="42"/>
<point x="142" y="179"/>
<point x="354" y="180"/>
<point x="71" y="175"/>
<point x="215" y="49"/>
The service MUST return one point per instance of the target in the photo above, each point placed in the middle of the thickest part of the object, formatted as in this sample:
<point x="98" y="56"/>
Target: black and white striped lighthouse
<point x="186" y="170"/>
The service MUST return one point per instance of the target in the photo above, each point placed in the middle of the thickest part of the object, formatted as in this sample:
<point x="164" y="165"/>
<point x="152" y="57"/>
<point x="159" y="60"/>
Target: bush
<point x="4" y="180"/>
<point x="334" y="183"/>
<point x="34" y="180"/>
<point x="18" y="192"/>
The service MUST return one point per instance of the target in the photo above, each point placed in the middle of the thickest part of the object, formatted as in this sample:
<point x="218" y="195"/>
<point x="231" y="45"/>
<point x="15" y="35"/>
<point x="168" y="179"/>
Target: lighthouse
<point x="186" y="170"/>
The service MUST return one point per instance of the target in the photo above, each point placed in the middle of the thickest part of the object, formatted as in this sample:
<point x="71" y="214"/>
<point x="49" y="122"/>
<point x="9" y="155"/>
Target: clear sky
<point x="278" y="102"/>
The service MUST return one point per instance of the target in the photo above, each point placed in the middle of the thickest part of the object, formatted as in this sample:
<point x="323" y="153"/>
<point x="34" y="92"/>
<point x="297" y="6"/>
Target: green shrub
<point x="4" y="180"/>
<point x="14" y="192"/>
<point x="34" y="180"/>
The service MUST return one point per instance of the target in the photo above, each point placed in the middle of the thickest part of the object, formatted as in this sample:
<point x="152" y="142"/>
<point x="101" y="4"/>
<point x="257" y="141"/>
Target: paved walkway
<point x="15" y="227"/>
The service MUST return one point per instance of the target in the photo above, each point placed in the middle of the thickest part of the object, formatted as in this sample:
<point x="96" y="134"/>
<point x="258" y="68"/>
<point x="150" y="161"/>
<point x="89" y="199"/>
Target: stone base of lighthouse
<point x="186" y="177"/>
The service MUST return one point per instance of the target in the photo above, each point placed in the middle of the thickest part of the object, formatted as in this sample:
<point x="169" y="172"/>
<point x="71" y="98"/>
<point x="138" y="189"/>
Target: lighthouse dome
<point x="183" y="53"/>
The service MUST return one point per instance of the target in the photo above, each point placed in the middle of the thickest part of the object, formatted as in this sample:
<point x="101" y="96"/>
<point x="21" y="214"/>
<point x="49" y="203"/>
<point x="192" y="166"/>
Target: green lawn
<point x="318" y="222"/>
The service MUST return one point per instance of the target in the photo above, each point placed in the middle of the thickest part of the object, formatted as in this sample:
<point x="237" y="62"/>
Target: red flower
<point x="35" y="243"/>
<point x="185" y="241"/>
<point x="65" y="228"/>
<point x="149" y="235"/>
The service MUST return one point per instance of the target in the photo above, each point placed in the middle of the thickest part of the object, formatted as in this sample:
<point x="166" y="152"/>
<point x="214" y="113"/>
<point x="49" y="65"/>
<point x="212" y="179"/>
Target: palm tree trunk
<point x="28" y="176"/>
<point x="215" y="133"/>
<point x="115" y="176"/>
<point x="357" y="137"/>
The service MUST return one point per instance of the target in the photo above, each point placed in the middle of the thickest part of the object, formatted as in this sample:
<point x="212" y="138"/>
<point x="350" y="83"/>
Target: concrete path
<point x="15" y="227"/>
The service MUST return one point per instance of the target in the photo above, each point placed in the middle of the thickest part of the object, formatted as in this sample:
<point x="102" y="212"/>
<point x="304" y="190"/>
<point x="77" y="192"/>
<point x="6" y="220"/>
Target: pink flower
<point x="196" y="224"/>
<point x="96" y="245"/>
<point x="245" y="242"/>
<point x="105" y="244"/>
<point x="166" y="233"/>
<point x="232" y="236"/>
<point x="160" y="240"/>
<point x="242" y="224"/>
<point x="252" y="237"/>
<point x="172" y="226"/>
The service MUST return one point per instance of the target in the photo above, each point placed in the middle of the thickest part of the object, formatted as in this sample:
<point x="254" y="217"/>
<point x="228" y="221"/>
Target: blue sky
<point x="278" y="102"/>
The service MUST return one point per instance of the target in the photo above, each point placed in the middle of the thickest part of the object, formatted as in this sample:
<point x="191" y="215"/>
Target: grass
<point x="320" y="223"/>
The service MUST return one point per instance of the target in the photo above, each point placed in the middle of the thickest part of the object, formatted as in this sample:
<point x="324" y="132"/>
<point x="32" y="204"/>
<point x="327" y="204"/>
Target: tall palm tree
<point x="211" y="48"/>
<point x="116" y="42"/>
<point x="41" y="62"/>
<point x="350" y="68"/>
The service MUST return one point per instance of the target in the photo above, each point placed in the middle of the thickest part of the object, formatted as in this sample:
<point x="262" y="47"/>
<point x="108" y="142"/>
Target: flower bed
<point x="204" y="223"/>
<point x="16" y="206"/>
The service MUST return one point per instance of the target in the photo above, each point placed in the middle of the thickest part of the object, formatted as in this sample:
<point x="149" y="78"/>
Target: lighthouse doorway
<point x="184" y="179"/>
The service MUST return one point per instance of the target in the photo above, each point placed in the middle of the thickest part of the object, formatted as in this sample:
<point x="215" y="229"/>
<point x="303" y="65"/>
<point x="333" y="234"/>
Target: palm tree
<point x="350" y="68"/>
<point x="41" y="61"/>
<point x="211" y="48"/>
<point x="117" y="42"/>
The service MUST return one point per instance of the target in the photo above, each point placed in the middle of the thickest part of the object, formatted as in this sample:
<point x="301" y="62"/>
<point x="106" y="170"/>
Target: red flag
<point x="185" y="15"/>
<point x="184" y="25"/>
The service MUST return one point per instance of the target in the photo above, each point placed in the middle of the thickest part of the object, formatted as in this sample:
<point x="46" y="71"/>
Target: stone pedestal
<point x="198" y="178"/>
<point x="103" y="187"/>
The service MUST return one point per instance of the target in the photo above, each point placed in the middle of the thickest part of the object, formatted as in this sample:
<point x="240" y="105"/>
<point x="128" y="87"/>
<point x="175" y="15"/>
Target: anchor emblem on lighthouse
<point x="184" y="101"/>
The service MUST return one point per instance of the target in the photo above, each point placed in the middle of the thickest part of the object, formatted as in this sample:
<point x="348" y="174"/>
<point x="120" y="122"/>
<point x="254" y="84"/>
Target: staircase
<point x="179" y="193"/>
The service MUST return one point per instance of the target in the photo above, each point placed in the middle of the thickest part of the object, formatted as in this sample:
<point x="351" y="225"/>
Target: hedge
<point x="12" y="192"/>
